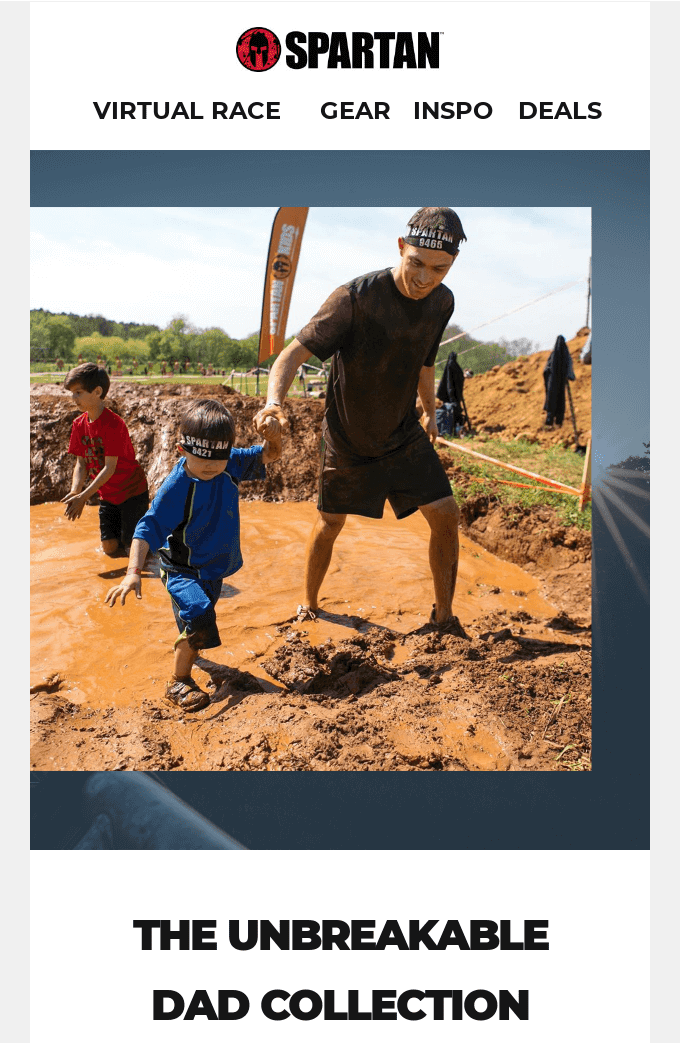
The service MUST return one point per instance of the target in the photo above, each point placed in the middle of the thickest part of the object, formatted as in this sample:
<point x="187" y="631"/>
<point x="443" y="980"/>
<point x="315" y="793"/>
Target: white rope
<point x="512" y="311"/>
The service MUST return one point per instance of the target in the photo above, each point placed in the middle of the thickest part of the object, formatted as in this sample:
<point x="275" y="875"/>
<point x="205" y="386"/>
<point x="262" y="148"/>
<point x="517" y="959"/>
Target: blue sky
<point x="150" y="264"/>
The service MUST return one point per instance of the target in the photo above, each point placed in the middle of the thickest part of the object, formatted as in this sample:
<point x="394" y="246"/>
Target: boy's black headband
<point x="432" y="239"/>
<point x="204" y="448"/>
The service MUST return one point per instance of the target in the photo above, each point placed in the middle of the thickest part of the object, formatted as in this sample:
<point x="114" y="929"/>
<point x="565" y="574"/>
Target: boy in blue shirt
<point x="193" y="524"/>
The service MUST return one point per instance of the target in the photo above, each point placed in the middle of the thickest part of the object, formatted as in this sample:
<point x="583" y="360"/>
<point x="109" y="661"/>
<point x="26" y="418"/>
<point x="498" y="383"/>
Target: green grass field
<point x="556" y="462"/>
<point x="244" y="385"/>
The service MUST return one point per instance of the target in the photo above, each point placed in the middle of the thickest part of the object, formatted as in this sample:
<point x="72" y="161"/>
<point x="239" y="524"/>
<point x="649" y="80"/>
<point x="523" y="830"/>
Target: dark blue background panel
<point x="605" y="808"/>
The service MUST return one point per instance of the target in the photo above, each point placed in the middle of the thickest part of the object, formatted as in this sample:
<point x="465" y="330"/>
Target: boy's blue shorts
<point x="193" y="602"/>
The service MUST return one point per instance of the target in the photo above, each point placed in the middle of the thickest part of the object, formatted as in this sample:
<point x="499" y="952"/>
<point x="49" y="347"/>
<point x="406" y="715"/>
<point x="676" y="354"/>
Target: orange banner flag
<point x="282" y="262"/>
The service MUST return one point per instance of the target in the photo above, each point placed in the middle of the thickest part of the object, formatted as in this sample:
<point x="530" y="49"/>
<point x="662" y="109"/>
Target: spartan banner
<point x="282" y="261"/>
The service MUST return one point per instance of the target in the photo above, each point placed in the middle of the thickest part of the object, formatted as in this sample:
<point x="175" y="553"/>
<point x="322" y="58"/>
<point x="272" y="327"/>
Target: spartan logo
<point x="281" y="267"/>
<point x="258" y="49"/>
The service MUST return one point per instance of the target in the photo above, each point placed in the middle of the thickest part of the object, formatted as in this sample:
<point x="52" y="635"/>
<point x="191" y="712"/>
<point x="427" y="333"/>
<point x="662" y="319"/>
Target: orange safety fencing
<point x="583" y="493"/>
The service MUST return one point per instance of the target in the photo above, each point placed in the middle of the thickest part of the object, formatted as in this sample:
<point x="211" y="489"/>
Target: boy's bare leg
<point x="442" y="516"/>
<point x="183" y="691"/>
<point x="326" y="530"/>
<point x="185" y="657"/>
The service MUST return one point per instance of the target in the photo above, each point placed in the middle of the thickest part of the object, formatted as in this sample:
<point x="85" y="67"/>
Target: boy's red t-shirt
<point x="108" y="436"/>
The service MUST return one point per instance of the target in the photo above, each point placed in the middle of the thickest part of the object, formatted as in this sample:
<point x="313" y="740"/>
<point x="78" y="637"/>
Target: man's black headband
<point x="204" y="448"/>
<point x="432" y="239"/>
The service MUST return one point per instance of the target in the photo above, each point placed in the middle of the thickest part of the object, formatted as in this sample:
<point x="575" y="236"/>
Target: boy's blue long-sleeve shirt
<point x="195" y="524"/>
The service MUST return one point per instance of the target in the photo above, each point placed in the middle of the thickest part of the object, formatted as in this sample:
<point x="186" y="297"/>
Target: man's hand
<point x="131" y="582"/>
<point x="270" y="428"/>
<point x="429" y="425"/>
<point x="74" y="505"/>
<point x="264" y="426"/>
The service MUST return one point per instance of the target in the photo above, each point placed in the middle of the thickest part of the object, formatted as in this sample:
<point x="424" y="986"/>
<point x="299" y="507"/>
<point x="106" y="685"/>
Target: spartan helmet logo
<point x="258" y="49"/>
<point x="281" y="266"/>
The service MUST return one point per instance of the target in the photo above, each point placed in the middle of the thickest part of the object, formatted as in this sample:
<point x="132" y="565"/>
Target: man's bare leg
<point x="326" y="530"/>
<point x="442" y="516"/>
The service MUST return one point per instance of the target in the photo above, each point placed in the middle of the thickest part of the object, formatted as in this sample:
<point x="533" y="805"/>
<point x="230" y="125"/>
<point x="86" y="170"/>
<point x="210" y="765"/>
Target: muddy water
<point x="379" y="572"/>
<point x="407" y="700"/>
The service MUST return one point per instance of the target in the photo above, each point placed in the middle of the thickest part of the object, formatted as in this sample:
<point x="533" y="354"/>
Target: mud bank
<point x="508" y="400"/>
<point x="533" y="539"/>
<point x="152" y="415"/>
<point x="370" y="685"/>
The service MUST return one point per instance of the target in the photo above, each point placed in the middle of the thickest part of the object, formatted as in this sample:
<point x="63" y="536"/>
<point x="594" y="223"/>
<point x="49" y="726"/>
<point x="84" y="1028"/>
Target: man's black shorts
<point x="408" y="478"/>
<point x="117" y="521"/>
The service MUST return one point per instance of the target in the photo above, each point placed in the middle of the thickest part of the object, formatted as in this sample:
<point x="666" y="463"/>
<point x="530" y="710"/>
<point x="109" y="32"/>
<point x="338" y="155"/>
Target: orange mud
<point x="370" y="685"/>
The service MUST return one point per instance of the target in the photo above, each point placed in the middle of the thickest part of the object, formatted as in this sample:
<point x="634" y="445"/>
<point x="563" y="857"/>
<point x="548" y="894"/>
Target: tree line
<point x="71" y="338"/>
<point x="480" y="356"/>
<point x="86" y="325"/>
<point x="61" y="337"/>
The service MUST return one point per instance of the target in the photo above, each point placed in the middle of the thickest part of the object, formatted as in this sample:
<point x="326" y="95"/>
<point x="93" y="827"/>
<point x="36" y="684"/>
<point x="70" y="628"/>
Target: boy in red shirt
<point x="105" y="461"/>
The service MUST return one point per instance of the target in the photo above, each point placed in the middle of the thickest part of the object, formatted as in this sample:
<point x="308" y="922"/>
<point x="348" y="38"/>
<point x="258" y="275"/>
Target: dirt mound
<point x="351" y="668"/>
<point x="152" y="414"/>
<point x="508" y="400"/>
<point x="533" y="539"/>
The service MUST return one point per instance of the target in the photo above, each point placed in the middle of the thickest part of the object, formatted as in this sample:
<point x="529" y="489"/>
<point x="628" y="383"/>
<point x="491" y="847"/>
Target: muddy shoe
<point x="305" y="614"/>
<point x="450" y="626"/>
<point x="187" y="695"/>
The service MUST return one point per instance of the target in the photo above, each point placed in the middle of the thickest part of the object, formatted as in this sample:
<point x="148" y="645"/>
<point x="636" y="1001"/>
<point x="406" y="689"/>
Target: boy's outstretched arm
<point x="75" y="501"/>
<point x="270" y="428"/>
<point x="133" y="577"/>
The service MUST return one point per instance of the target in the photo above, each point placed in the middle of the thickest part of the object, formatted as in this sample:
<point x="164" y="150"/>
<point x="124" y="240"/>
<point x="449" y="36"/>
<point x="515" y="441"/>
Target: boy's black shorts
<point x="117" y="521"/>
<point x="409" y="478"/>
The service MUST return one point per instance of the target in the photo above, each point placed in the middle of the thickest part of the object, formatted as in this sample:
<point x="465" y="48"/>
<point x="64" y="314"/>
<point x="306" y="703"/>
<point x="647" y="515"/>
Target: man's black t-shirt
<point x="379" y="341"/>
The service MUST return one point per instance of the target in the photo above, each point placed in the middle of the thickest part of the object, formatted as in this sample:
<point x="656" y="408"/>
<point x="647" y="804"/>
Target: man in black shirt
<point x="382" y="332"/>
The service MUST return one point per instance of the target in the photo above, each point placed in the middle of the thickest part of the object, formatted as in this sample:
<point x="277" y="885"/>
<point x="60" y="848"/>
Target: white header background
<point x="501" y="53"/>
<point x="91" y="979"/>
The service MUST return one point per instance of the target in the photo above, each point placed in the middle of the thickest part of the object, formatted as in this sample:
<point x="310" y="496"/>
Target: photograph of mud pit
<point x="369" y="685"/>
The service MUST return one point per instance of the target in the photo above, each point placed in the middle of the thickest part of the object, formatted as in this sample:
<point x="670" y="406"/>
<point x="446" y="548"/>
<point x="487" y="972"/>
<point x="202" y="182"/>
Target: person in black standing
<point x="558" y="370"/>
<point x="450" y="393"/>
<point x="382" y="332"/>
